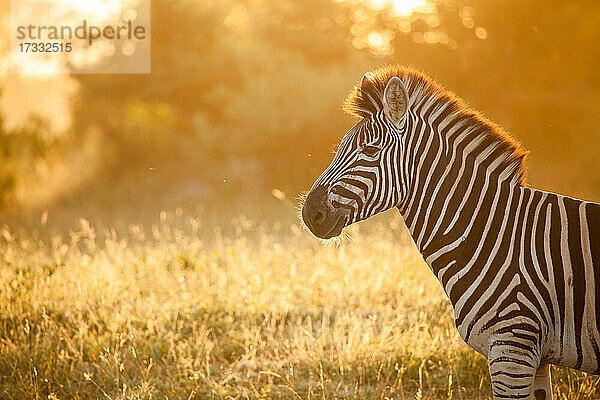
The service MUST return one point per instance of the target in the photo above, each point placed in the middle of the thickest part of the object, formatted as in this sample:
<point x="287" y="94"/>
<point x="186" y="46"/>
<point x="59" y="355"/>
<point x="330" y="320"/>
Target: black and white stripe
<point x="521" y="266"/>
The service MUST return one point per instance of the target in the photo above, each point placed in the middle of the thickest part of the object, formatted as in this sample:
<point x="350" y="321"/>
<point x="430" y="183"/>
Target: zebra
<point x="520" y="266"/>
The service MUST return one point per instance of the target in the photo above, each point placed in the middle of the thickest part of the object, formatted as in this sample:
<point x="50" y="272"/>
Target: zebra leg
<point x="512" y="370"/>
<point x="542" y="387"/>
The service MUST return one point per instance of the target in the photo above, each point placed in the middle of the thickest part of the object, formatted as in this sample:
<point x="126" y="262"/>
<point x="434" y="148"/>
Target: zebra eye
<point x="370" y="150"/>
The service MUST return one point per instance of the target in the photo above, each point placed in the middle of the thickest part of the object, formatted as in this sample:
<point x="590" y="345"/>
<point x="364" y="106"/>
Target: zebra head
<point x="364" y="177"/>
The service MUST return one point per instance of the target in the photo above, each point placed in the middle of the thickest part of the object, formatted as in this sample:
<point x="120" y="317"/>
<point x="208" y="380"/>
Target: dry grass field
<point x="255" y="309"/>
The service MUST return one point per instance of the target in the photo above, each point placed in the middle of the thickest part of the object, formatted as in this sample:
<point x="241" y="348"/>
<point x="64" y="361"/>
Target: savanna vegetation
<point x="184" y="309"/>
<point x="152" y="248"/>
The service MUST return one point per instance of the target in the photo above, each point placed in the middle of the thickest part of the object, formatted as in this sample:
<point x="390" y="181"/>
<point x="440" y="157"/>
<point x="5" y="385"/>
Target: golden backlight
<point x="150" y="245"/>
<point x="401" y="13"/>
<point x="407" y="7"/>
<point x="72" y="14"/>
<point x="398" y="7"/>
<point x="25" y="85"/>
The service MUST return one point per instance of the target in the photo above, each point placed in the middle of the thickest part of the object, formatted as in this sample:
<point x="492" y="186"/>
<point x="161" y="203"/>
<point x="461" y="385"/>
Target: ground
<point x="249" y="308"/>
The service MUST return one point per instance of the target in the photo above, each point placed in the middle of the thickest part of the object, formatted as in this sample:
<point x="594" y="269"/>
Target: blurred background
<point x="242" y="108"/>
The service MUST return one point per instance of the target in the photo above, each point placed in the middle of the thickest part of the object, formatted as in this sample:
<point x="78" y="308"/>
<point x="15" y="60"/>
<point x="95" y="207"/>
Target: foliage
<point x="264" y="81"/>
<point x="19" y="151"/>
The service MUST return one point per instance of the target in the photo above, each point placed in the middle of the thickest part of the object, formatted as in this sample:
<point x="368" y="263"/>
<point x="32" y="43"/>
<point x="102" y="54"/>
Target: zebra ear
<point x="366" y="83"/>
<point x="395" y="100"/>
<point x="367" y="87"/>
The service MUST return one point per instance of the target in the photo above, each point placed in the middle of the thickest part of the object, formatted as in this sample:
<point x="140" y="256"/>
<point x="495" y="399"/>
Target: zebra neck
<point x="453" y="207"/>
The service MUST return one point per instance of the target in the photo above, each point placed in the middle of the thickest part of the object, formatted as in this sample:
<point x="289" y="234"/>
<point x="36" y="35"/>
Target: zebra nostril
<point x="319" y="217"/>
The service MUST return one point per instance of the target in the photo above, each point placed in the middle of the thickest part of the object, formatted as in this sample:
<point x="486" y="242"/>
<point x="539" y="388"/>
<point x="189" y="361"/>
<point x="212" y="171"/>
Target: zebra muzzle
<point x="324" y="220"/>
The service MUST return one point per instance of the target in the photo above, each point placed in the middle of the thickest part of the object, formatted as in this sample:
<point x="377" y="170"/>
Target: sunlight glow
<point x="481" y="32"/>
<point x="376" y="39"/>
<point x="407" y="7"/>
<point x="72" y="13"/>
<point x="378" y="4"/>
<point x="367" y="34"/>
<point x="380" y="42"/>
<point x="402" y="8"/>
<point x="101" y="10"/>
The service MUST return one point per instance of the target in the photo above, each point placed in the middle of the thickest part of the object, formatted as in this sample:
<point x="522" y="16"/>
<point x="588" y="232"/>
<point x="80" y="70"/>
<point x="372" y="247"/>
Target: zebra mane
<point x="364" y="102"/>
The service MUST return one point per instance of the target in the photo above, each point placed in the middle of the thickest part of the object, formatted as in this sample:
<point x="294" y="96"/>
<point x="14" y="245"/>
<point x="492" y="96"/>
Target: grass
<point x="252" y="309"/>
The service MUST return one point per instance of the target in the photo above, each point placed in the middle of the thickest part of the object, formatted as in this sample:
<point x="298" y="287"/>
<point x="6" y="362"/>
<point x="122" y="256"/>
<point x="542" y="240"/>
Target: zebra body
<point x="520" y="266"/>
<point x="517" y="268"/>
